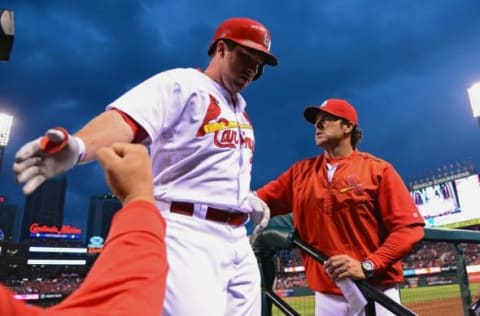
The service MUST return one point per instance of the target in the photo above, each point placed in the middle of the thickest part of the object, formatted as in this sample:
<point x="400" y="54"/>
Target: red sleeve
<point x="401" y="217"/>
<point x="129" y="276"/>
<point x="139" y="133"/>
<point x="11" y="306"/>
<point x="278" y="193"/>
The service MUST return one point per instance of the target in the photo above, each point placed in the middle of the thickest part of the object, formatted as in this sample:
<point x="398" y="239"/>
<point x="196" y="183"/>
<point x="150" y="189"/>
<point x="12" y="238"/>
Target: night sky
<point x="405" y="65"/>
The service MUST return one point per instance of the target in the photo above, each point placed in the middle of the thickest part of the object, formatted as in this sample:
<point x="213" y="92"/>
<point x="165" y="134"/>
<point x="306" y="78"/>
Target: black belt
<point x="214" y="214"/>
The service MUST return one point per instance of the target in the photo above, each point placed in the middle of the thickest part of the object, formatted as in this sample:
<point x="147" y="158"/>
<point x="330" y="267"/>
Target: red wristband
<point x="51" y="148"/>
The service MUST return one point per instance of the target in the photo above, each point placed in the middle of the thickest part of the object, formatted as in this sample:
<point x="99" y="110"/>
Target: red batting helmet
<point x="248" y="33"/>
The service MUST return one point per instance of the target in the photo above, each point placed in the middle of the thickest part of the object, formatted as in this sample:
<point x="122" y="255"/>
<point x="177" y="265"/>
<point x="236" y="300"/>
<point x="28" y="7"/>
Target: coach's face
<point x="329" y="130"/>
<point x="240" y="66"/>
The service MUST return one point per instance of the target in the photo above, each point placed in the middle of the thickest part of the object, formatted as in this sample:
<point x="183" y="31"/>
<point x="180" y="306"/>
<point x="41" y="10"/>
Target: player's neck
<point x="215" y="76"/>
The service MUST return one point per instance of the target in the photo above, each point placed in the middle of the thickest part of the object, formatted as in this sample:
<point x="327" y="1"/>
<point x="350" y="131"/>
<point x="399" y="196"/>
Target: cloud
<point x="405" y="65"/>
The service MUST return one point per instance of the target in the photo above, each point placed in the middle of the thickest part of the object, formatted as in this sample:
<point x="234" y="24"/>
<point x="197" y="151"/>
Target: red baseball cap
<point x="337" y="107"/>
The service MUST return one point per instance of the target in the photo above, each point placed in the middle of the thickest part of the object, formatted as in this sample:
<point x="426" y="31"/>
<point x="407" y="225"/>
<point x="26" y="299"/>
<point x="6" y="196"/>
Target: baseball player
<point x="129" y="276"/>
<point x="201" y="143"/>
<point x="349" y="205"/>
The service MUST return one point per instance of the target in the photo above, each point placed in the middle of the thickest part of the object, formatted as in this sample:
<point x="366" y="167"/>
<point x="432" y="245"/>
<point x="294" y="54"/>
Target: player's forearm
<point x="105" y="129"/>
<point x="397" y="245"/>
<point x="277" y="195"/>
<point x="129" y="276"/>
<point x="138" y="215"/>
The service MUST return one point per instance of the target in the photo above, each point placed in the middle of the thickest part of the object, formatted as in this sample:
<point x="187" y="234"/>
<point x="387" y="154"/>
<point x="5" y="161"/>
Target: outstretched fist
<point x="128" y="171"/>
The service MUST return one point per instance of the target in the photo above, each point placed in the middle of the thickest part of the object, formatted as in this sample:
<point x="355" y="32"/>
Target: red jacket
<point x="366" y="212"/>
<point x="128" y="277"/>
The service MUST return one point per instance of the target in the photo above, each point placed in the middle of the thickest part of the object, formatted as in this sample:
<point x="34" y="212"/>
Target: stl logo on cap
<point x="267" y="41"/>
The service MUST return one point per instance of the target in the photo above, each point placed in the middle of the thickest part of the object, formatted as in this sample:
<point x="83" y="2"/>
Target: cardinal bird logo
<point x="353" y="184"/>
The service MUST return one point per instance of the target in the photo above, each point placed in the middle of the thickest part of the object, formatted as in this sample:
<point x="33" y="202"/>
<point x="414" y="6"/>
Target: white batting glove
<point x="260" y="212"/>
<point x="46" y="157"/>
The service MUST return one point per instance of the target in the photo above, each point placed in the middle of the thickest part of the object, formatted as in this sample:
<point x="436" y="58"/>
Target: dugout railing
<point x="458" y="238"/>
<point x="279" y="236"/>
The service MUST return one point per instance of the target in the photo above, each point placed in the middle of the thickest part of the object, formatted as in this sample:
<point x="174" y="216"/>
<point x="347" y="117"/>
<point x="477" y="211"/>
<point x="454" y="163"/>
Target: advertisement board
<point x="451" y="204"/>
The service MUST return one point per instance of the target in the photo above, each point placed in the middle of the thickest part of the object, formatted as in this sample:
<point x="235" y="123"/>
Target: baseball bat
<point x="370" y="292"/>
<point x="281" y="304"/>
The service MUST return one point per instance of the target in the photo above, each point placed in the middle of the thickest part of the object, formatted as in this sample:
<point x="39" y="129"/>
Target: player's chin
<point x="319" y="141"/>
<point x="241" y="84"/>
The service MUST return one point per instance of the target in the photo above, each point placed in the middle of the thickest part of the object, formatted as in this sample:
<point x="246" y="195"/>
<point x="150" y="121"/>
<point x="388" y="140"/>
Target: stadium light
<point x="5" y="127"/>
<point x="474" y="96"/>
<point x="7" y="32"/>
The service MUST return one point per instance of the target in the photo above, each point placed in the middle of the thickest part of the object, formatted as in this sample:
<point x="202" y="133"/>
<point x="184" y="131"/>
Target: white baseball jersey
<point x="201" y="139"/>
<point x="202" y="146"/>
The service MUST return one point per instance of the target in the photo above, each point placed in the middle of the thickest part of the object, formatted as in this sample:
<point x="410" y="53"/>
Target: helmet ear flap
<point x="259" y="72"/>
<point x="210" y="49"/>
<point x="213" y="47"/>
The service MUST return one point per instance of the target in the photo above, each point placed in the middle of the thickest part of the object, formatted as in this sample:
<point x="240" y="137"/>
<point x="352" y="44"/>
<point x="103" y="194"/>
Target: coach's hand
<point x="260" y="212"/>
<point x="343" y="266"/>
<point x="46" y="157"/>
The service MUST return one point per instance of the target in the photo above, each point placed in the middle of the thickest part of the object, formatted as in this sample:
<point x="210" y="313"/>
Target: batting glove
<point x="260" y="212"/>
<point x="46" y="157"/>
